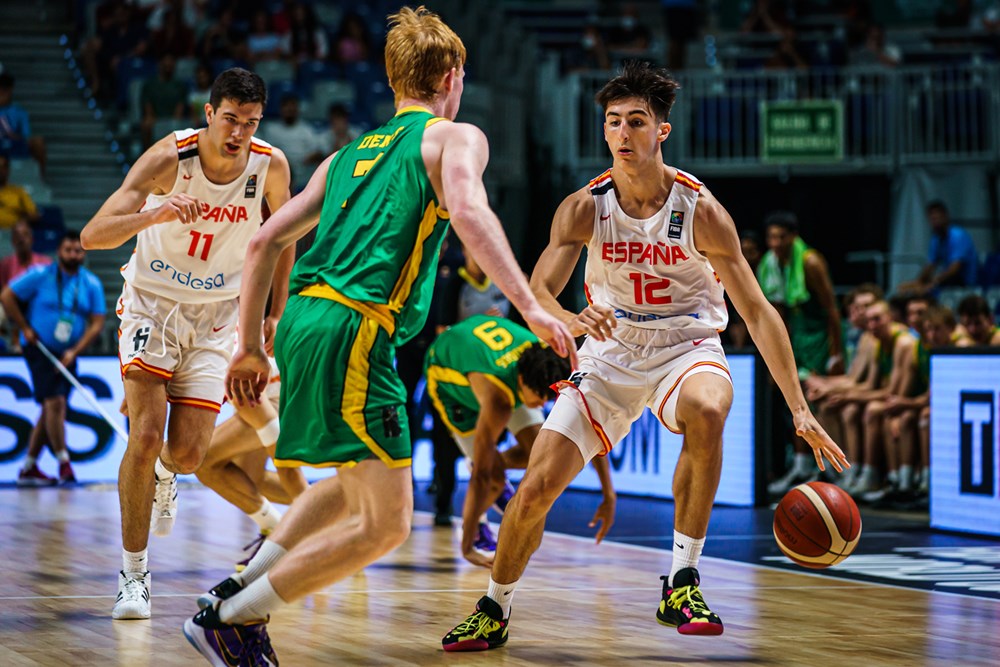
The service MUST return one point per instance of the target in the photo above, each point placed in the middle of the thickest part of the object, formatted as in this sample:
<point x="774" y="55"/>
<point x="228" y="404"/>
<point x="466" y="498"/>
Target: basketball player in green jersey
<point x="484" y="375"/>
<point x="383" y="204"/>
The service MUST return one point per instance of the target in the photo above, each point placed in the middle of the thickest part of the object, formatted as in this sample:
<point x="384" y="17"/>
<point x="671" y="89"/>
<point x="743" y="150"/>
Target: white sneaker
<point x="792" y="478"/>
<point x="133" y="597"/>
<point x="164" y="506"/>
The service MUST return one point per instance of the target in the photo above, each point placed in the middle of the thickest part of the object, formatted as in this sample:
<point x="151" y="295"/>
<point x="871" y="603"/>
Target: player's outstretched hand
<point x="476" y="558"/>
<point x="605" y="516"/>
<point x="182" y="207"/>
<point x="594" y="320"/>
<point x="553" y="332"/>
<point x="822" y="445"/>
<point x="247" y="376"/>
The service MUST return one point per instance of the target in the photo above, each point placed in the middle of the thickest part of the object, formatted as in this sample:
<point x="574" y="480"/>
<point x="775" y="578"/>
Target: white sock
<point x="502" y="594"/>
<point x="29" y="462"/>
<point x="161" y="471"/>
<point x="135" y="562"/>
<point x="63" y="456"/>
<point x="265" y="558"/>
<point x="905" y="478"/>
<point x="802" y="463"/>
<point x="266" y="517"/>
<point x="892" y="476"/>
<point x="925" y="478"/>
<point x="254" y="603"/>
<point x="687" y="551"/>
<point x="867" y="477"/>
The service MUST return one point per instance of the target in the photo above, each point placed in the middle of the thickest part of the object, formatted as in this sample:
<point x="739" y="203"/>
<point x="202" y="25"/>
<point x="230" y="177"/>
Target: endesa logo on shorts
<point x="186" y="278"/>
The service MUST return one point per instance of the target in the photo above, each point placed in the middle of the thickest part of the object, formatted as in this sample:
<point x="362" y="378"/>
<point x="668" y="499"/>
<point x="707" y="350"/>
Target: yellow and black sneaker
<point x="684" y="608"/>
<point x="485" y="629"/>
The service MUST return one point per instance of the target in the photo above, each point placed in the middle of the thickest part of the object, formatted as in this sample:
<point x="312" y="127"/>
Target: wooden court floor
<point x="577" y="605"/>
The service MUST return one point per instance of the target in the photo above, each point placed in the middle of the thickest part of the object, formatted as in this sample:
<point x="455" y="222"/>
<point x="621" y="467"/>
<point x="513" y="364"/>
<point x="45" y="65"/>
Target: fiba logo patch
<point x="250" y="191"/>
<point x="977" y="447"/>
<point x="676" y="224"/>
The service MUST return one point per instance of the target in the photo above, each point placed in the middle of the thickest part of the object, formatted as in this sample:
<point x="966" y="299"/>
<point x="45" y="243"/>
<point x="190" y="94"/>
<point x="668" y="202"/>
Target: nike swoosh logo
<point x="679" y="546"/>
<point x="186" y="178"/>
<point x="605" y="217"/>
<point x="218" y="329"/>
<point x="699" y="341"/>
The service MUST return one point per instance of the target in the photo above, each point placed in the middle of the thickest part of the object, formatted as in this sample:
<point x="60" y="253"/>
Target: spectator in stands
<point x="876" y="51"/>
<point x="15" y="202"/>
<point x="630" y="36"/>
<point x="952" y="258"/>
<point x="591" y="53"/>
<point x="338" y="134"/>
<point x="174" y="37"/>
<point x="121" y="34"/>
<point x="263" y="42"/>
<point x="352" y="44"/>
<point x="306" y="37"/>
<point x="13" y="265"/>
<point x="296" y="137"/>
<point x="954" y="14"/>
<point x="786" y="54"/>
<point x="796" y="280"/>
<point x="66" y="314"/>
<point x="977" y="326"/>
<point x="200" y="94"/>
<point x="682" y="19"/>
<point x="162" y="98"/>
<point x="16" y="140"/>
<point x="222" y="39"/>
<point x="767" y="16"/>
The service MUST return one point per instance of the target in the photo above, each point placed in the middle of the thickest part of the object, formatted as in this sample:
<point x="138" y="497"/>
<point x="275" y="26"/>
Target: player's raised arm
<point x="572" y="228"/>
<point x="464" y="155"/>
<point x="118" y="220"/>
<point x="277" y="194"/>
<point x="716" y="238"/>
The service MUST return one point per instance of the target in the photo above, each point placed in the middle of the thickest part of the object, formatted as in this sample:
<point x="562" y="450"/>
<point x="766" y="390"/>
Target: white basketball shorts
<point x="520" y="419"/>
<point x="187" y="344"/>
<point x="621" y="376"/>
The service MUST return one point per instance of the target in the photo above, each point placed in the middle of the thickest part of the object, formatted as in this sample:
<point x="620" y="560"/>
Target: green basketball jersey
<point x="481" y="344"/>
<point x="380" y="229"/>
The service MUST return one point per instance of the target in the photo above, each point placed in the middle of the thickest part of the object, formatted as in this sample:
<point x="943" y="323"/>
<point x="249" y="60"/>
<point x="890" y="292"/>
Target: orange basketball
<point x="817" y="525"/>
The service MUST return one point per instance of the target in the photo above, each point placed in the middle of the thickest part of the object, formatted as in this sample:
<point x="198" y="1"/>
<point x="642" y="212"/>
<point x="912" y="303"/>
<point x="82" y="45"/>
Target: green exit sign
<point x="802" y="131"/>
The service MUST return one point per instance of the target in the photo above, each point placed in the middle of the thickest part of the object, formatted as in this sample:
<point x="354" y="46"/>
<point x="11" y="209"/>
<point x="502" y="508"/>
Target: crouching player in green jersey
<point x="484" y="375"/>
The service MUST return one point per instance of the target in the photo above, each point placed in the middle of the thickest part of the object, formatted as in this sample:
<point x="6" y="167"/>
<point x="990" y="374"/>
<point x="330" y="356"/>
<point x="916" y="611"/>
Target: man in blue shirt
<point x="952" y="260"/>
<point x="16" y="139"/>
<point x="65" y="312"/>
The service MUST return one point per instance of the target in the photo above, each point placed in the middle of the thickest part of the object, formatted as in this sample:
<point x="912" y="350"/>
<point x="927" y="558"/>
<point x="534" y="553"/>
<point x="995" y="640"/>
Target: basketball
<point x="817" y="525"/>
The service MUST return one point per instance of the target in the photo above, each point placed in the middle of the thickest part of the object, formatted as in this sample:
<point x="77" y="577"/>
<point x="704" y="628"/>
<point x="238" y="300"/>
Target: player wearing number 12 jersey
<point x="660" y="248"/>
<point x="193" y="200"/>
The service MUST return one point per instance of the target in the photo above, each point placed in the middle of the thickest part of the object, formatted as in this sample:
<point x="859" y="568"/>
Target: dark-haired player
<point x="660" y="247"/>
<point x="484" y="375"/>
<point x="198" y="194"/>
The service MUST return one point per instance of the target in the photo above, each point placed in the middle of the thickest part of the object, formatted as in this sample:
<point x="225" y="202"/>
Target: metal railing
<point x="909" y="115"/>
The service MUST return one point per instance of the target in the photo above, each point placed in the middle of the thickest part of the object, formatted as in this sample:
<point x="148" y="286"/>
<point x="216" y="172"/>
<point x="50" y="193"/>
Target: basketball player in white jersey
<point x="658" y="246"/>
<point x="198" y="194"/>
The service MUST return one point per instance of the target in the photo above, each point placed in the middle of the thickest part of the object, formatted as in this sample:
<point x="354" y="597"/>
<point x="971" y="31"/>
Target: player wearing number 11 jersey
<point x="660" y="247"/>
<point x="193" y="200"/>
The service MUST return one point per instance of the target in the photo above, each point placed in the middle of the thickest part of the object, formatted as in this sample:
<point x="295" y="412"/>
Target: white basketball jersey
<point x="201" y="262"/>
<point x="649" y="271"/>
